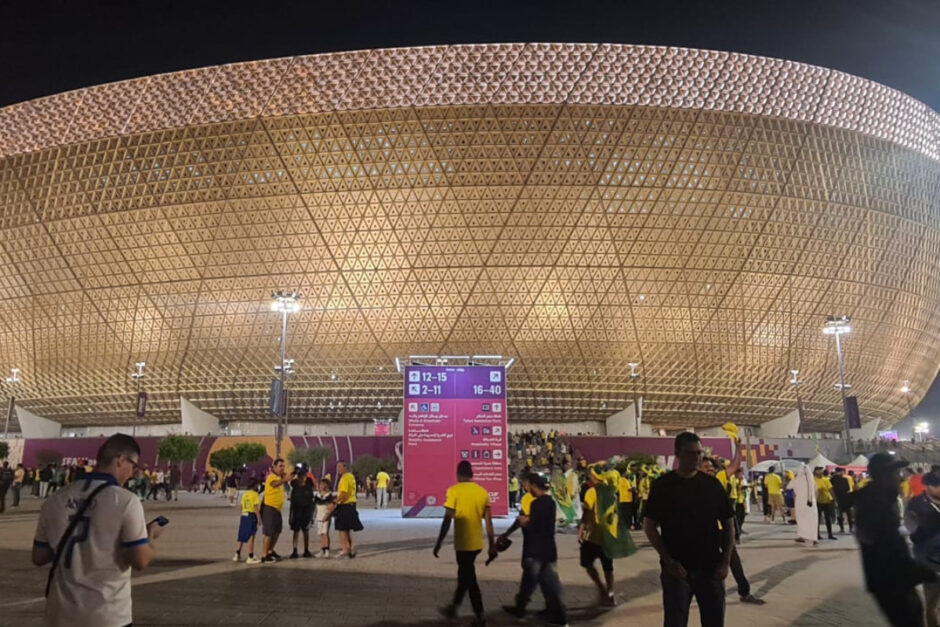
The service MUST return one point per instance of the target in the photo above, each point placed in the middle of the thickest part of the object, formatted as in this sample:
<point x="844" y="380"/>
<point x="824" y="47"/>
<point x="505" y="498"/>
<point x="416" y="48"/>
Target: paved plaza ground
<point x="395" y="580"/>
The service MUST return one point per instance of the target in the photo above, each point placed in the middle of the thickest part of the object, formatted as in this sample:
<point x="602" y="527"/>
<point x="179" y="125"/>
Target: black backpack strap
<point x="69" y="531"/>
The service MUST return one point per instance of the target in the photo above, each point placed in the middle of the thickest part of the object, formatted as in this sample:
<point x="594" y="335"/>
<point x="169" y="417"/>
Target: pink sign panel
<point x="453" y="413"/>
<point x="381" y="427"/>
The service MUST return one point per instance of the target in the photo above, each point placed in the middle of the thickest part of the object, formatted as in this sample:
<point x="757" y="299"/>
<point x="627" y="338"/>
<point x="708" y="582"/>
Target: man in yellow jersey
<point x="381" y="489"/>
<point x="774" y="486"/>
<point x="513" y="490"/>
<point x="625" y="495"/>
<point x="824" y="499"/>
<point x="271" y="520"/>
<point x="249" y="522"/>
<point x="468" y="505"/>
<point x="344" y="507"/>
<point x="642" y="491"/>
<point x="739" y="500"/>
<point x="591" y="537"/>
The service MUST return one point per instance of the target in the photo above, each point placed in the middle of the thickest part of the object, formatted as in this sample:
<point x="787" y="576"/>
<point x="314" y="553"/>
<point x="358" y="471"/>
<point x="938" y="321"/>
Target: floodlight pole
<point x="837" y="325"/>
<point x="13" y="379"/>
<point x="634" y="375"/>
<point x="284" y="302"/>
<point x="137" y="376"/>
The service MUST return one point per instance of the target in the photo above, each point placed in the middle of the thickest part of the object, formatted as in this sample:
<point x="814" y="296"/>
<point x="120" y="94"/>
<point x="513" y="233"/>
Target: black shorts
<point x="300" y="518"/>
<point x="347" y="518"/>
<point x="591" y="552"/>
<point x="271" y="521"/>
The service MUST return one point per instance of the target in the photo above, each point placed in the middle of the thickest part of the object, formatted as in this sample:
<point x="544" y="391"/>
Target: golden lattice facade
<point x="577" y="207"/>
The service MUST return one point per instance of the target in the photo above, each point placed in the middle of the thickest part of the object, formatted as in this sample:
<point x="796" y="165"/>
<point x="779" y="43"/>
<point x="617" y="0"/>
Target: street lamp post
<point x="839" y="326"/>
<point x="13" y="379"/>
<point x="795" y="382"/>
<point x="286" y="303"/>
<point x="137" y="376"/>
<point x="634" y="376"/>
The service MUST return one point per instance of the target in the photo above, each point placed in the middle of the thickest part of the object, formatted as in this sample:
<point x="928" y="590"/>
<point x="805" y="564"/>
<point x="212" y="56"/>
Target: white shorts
<point x="323" y="528"/>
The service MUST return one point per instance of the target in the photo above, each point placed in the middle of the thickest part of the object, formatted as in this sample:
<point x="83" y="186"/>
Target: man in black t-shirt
<point x="539" y="553"/>
<point x="690" y="523"/>
<point x="841" y="490"/>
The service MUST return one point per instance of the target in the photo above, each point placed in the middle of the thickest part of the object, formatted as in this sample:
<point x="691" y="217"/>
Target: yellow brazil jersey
<point x="733" y="488"/>
<point x="514" y="484"/>
<point x="273" y="497"/>
<point x="864" y="482"/>
<point x="823" y="490"/>
<point x="905" y="489"/>
<point x="595" y="533"/>
<point x="250" y="501"/>
<point x="526" y="503"/>
<point x="773" y="483"/>
<point x="469" y="502"/>
<point x="347" y="485"/>
<point x="643" y="487"/>
<point x="625" y="490"/>
<point x="382" y="479"/>
<point x="851" y="481"/>
<point x="722" y="477"/>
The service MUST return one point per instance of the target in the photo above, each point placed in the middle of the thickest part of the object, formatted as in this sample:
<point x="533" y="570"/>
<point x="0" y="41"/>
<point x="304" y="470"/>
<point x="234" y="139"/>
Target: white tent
<point x="861" y="461"/>
<point x="764" y="466"/>
<point x="820" y="460"/>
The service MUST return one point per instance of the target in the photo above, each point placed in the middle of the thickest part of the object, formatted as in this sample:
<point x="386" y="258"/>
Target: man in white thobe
<point x="804" y="502"/>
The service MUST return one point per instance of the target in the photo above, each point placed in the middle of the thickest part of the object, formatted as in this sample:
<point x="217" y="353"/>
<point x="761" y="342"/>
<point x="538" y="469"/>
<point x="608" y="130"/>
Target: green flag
<point x="617" y="541"/>
<point x="562" y="497"/>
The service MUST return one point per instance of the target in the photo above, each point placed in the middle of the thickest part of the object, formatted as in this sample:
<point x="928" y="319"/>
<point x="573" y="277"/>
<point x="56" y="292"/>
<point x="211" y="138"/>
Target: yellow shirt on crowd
<point x="734" y="488"/>
<point x="273" y="497"/>
<point x="250" y="501"/>
<point x="514" y="484"/>
<point x="864" y="482"/>
<point x="906" y="488"/>
<point x="625" y="489"/>
<point x="525" y="504"/>
<point x="643" y="487"/>
<point x="382" y="479"/>
<point x="469" y="502"/>
<point x="347" y="485"/>
<point x="851" y="481"/>
<point x="722" y="477"/>
<point x="823" y="490"/>
<point x="773" y="483"/>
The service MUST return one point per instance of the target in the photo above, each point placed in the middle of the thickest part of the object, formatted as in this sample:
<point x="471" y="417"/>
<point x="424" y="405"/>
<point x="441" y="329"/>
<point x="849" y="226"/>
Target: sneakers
<point x="237" y="557"/>
<point x="448" y="611"/>
<point x="515" y="610"/>
<point x="276" y="556"/>
<point x="294" y="555"/>
<point x="342" y="554"/>
<point x="607" y="600"/>
<point x="252" y="560"/>
<point x="753" y="600"/>
<point x="833" y="538"/>
<point x="323" y="554"/>
<point x="307" y="554"/>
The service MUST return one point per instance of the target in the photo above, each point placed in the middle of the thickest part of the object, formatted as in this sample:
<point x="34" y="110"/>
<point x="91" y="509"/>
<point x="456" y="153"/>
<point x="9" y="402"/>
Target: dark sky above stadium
<point x="48" y="47"/>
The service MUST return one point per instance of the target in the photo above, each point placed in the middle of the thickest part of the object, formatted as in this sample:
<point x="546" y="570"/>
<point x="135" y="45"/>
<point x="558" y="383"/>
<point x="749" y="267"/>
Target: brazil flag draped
<point x="562" y="496"/>
<point x="616" y="540"/>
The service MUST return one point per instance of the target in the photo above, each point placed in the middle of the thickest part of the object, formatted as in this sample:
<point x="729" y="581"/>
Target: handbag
<point x="69" y="531"/>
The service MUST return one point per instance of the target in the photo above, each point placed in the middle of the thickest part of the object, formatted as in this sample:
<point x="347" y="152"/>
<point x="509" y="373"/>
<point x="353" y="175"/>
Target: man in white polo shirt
<point x="91" y="584"/>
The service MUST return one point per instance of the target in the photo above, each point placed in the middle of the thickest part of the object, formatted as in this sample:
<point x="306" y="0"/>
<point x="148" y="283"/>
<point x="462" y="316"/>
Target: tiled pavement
<point x="395" y="579"/>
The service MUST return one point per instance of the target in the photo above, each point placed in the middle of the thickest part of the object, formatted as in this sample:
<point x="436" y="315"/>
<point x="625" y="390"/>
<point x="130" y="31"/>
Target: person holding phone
<point x="271" y="521"/>
<point x="77" y="532"/>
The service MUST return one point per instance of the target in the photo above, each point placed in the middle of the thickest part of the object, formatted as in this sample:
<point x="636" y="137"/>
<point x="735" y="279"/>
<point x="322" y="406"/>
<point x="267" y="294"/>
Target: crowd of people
<point x="692" y="516"/>
<point x="39" y="482"/>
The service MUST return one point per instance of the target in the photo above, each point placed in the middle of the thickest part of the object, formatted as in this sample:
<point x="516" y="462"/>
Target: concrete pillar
<point x="624" y="422"/>
<point x="867" y="432"/>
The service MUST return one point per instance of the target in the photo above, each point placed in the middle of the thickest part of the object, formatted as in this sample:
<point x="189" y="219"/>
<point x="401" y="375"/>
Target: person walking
<point x="175" y="478"/>
<point x="539" y="555"/>
<point x="344" y="510"/>
<point x="689" y="522"/>
<point x="591" y="539"/>
<point x="382" y="480"/>
<point x="805" y="509"/>
<point x="825" y="501"/>
<point x="93" y="533"/>
<point x="922" y="519"/>
<point x="891" y="574"/>
<point x="513" y="490"/>
<point x="271" y="521"/>
<point x="773" y="488"/>
<point x="467" y="505"/>
<point x="841" y="490"/>
<point x="19" y="475"/>
<point x="323" y="502"/>
<point x="6" y="480"/>
<point x="45" y="477"/>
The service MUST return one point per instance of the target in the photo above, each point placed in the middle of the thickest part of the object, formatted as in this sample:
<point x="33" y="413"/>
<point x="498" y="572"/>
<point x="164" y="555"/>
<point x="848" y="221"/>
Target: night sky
<point x="49" y="47"/>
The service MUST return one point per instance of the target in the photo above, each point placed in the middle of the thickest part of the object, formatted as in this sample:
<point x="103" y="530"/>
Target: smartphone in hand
<point x="160" y="521"/>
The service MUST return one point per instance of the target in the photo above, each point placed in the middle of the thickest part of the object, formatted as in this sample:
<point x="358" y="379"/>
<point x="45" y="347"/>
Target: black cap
<point x="883" y="462"/>
<point x="541" y="481"/>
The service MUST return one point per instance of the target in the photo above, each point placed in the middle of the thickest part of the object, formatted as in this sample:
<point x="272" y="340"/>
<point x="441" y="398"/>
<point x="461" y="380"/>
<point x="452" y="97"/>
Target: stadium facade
<point x="575" y="206"/>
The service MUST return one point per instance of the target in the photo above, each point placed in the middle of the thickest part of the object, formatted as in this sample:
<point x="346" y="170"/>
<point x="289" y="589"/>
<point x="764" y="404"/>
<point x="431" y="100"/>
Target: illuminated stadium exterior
<point x="577" y="207"/>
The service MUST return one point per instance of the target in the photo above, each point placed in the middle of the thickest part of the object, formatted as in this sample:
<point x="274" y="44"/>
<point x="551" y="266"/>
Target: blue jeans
<point x="545" y="576"/>
<point x="677" y="597"/>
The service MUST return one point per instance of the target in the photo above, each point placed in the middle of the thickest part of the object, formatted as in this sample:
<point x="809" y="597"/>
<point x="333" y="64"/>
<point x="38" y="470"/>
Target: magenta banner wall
<point x="453" y="413"/>
<point x="599" y="448"/>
